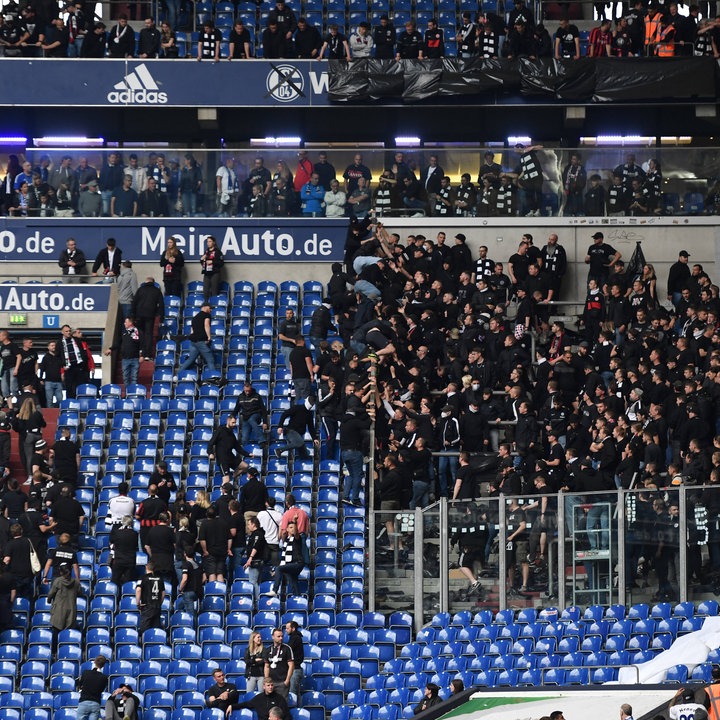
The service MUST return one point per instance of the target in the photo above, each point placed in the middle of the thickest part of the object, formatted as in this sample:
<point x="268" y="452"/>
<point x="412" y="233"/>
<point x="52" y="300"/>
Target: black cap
<point x="684" y="253"/>
<point x="597" y="235"/>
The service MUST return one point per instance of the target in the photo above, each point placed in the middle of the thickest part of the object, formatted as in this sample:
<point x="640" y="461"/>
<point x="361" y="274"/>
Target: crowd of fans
<point x="628" y="399"/>
<point x="438" y="352"/>
<point x="654" y="29"/>
<point x="182" y="187"/>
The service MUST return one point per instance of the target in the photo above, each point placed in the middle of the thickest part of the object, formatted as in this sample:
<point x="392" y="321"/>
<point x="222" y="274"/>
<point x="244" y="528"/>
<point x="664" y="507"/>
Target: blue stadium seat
<point x="678" y="674"/>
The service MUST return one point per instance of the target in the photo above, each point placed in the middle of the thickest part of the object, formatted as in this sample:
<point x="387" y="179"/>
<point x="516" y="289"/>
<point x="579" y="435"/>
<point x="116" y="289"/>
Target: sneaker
<point x="356" y="503"/>
<point x="175" y="378"/>
<point x="278" y="453"/>
<point x="347" y="501"/>
<point x="270" y="593"/>
<point x="474" y="586"/>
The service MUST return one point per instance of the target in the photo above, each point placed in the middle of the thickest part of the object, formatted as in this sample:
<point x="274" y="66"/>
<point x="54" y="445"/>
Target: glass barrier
<point x="674" y="180"/>
<point x="474" y="554"/>
<point x="633" y="547"/>
<point x="430" y="586"/>
<point x="393" y="560"/>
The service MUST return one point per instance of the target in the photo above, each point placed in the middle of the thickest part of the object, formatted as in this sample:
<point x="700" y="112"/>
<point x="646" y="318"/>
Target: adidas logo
<point x="138" y="88"/>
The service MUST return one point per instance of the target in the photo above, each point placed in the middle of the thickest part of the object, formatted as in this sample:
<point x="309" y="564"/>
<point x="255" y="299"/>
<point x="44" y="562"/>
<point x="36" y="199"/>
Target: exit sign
<point x="17" y="319"/>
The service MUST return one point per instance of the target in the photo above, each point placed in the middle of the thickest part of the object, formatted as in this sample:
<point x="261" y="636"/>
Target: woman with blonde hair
<point x="254" y="663"/>
<point x="172" y="262"/>
<point x="199" y="510"/>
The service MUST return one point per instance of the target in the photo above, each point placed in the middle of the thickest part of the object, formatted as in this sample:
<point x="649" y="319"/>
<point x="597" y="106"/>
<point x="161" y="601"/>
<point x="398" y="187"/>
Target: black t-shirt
<point x="215" y="532"/>
<point x="514" y="519"/>
<point x="18" y="550"/>
<point x="467" y="487"/>
<point x="336" y="46"/>
<point x="66" y="511"/>
<point x="238" y="40"/>
<point x="567" y="40"/>
<point x="151" y="590"/>
<point x="62" y="555"/>
<point x="520" y="264"/>
<point x="66" y="452"/>
<point x="278" y="659"/>
<point x="298" y="366"/>
<point x="161" y="541"/>
<point x="124" y="543"/>
<point x="8" y="354"/>
<point x="194" y="577"/>
<point x="92" y="685"/>
<point x="198" y="333"/>
<point x="14" y="501"/>
<point x="26" y="371"/>
<point x="599" y="257"/>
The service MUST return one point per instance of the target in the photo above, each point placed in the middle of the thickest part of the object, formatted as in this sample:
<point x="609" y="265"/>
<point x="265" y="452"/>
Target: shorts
<point x="518" y="554"/>
<point x="393" y="505"/>
<point x="214" y="565"/>
<point x="376" y="340"/>
<point x="469" y="557"/>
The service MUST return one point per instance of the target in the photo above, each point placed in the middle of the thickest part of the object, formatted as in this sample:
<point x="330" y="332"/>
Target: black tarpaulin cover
<point x="584" y="80"/>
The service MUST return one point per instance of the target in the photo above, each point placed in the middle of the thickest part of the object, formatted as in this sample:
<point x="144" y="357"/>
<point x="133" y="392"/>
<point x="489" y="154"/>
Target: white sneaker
<point x="175" y="378"/>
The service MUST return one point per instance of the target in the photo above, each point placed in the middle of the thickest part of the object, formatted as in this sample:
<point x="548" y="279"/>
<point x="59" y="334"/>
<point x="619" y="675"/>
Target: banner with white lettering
<point x="166" y="83"/>
<point x="260" y="240"/>
<point x="54" y="298"/>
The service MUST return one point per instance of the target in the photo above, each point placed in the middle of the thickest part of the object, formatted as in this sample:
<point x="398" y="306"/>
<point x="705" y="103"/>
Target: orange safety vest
<point x="713" y="692"/>
<point x="652" y="28"/>
<point x="665" y="47"/>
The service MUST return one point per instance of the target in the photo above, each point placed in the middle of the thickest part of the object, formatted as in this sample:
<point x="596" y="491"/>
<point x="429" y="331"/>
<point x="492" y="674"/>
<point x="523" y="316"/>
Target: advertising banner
<point x="54" y="298"/>
<point x="259" y="240"/>
<point x="164" y="83"/>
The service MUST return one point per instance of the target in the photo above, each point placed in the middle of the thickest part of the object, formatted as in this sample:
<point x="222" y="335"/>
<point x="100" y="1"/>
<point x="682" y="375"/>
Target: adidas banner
<point x="169" y="83"/>
<point x="260" y="240"/>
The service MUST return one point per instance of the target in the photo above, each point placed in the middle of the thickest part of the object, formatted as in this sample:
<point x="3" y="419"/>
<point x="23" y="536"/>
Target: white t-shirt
<point x="684" y="711"/>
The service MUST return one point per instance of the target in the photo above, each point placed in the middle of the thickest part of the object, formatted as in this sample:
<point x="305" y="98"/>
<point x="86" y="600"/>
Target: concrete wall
<point x="661" y="238"/>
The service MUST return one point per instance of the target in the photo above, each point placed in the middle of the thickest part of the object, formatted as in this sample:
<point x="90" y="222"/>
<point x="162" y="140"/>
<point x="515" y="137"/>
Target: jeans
<point x="571" y="502"/>
<point x="188" y="601"/>
<point x="414" y="203"/>
<point x="189" y="199"/>
<point x="302" y="389"/>
<point x="126" y="309"/>
<point x="88" y="710"/>
<point x="421" y="494"/>
<point x="252" y="429"/>
<point x="296" y="681"/>
<point x="203" y="349"/>
<point x="75" y="48"/>
<point x="254" y="683"/>
<point x="285" y="351"/>
<point x="106" y="196"/>
<point x="53" y="393"/>
<point x="173" y="11"/>
<point x="130" y="369"/>
<point x="291" y="572"/>
<point x="598" y="515"/>
<point x="353" y="460"/>
<point x="211" y="285"/>
<point x="254" y="578"/>
<point x="447" y="468"/>
<point x="294" y="441"/>
<point x="9" y="383"/>
<point x="367" y="289"/>
<point x="111" y="710"/>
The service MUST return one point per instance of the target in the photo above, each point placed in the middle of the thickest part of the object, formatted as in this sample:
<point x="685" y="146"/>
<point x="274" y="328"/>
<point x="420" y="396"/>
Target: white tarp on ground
<point x="576" y="703"/>
<point x="691" y="650"/>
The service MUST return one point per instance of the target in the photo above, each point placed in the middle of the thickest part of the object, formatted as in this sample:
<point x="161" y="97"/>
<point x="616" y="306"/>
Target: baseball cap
<point x="597" y="235"/>
<point x="684" y="253"/>
<point x="460" y="236"/>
